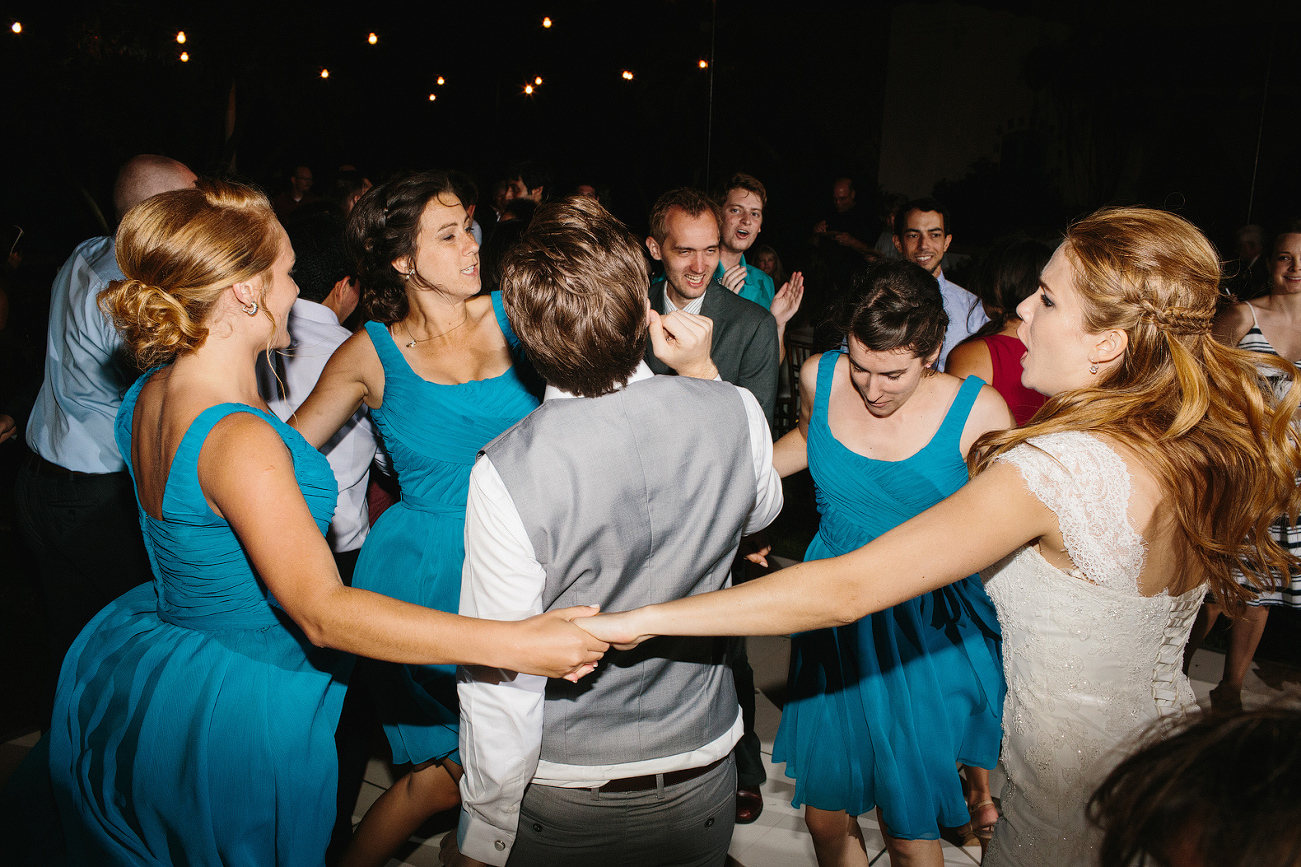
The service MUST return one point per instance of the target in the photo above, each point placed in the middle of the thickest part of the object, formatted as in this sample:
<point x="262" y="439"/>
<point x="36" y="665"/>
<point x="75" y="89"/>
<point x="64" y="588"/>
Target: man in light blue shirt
<point x="921" y="234"/>
<point x="75" y="500"/>
<point x="743" y="201"/>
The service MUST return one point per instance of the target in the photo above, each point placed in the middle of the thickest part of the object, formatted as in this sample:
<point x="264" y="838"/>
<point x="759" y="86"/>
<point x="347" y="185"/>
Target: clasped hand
<point x="552" y="645"/>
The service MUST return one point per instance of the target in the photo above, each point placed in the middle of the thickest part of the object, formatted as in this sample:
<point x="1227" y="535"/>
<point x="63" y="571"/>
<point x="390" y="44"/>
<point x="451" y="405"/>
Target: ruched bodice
<point x="433" y="433"/>
<point x="879" y="711"/>
<point x="204" y="580"/>
<point x="1089" y="660"/>
<point x="194" y="723"/>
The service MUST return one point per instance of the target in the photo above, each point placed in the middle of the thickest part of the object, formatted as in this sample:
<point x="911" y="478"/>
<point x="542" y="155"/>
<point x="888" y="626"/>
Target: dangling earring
<point x="1093" y="368"/>
<point x="409" y="274"/>
<point x="251" y="308"/>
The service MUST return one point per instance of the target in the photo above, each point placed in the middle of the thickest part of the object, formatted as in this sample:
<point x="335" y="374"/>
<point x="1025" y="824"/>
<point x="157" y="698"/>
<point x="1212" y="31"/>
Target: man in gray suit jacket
<point x="685" y="231"/>
<point x="592" y="499"/>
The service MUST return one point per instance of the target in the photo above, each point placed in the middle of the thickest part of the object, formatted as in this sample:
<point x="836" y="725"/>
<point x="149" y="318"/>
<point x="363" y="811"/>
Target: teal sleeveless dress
<point x="878" y="712"/>
<point x="433" y="433"/>
<point x="193" y="723"/>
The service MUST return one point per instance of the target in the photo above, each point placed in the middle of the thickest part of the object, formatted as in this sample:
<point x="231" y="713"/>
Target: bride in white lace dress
<point x="1105" y="519"/>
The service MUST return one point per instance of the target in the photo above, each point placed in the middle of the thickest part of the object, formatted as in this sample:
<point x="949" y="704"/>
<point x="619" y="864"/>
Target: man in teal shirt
<point x="743" y="201"/>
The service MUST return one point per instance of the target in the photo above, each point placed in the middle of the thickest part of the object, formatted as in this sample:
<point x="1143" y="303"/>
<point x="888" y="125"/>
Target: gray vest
<point x="632" y="498"/>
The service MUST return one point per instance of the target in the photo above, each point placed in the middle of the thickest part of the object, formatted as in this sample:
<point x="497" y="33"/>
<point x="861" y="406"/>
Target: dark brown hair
<point x="742" y="181"/>
<point x="895" y="304"/>
<point x="575" y="289"/>
<point x="1224" y="789"/>
<point x="384" y="226"/>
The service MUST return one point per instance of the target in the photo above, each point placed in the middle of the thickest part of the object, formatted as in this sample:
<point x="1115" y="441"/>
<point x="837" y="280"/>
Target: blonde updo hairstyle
<point x="1198" y="413"/>
<point x="179" y="251"/>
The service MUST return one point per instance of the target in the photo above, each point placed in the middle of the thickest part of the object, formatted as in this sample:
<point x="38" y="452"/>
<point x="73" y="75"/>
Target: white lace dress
<point x="1089" y="660"/>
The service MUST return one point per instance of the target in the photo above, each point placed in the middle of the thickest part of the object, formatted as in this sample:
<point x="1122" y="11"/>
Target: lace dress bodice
<point x="1089" y="660"/>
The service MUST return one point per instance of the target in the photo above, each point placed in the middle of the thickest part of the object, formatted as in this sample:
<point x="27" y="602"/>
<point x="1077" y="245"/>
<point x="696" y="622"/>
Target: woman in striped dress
<point x="1271" y="325"/>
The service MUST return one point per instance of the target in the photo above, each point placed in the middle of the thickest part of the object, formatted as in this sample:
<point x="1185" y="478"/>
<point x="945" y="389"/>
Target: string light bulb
<point x="538" y="80"/>
<point x="372" y="39"/>
<point x="180" y="37"/>
<point x="546" y="22"/>
<point x="627" y="75"/>
<point x="432" y="97"/>
<point x="704" y="64"/>
<point x="185" y="57"/>
<point x="528" y="88"/>
<point x="16" y="27"/>
<point x="441" y="81"/>
<point x="325" y="73"/>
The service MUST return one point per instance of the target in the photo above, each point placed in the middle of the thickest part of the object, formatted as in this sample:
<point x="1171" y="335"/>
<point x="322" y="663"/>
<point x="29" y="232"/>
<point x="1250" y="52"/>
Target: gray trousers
<point x="685" y="825"/>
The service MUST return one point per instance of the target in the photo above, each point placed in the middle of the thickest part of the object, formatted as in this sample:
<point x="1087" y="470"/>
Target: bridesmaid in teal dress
<point x="437" y="368"/>
<point x="879" y="712"/>
<point x="194" y="720"/>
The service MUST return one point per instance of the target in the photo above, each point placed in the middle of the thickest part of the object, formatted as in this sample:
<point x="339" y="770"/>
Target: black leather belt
<point x="646" y="782"/>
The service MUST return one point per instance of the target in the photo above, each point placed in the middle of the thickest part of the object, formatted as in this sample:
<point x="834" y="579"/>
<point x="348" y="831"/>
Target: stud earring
<point x="251" y="308"/>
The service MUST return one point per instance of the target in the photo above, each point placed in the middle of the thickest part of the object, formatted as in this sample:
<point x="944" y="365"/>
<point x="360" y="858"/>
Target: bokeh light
<point x="185" y="57"/>
<point x="180" y="37"/>
<point x="528" y="88"/>
<point x="704" y="64"/>
<point x="432" y="97"/>
<point x="16" y="27"/>
<point x="538" y="80"/>
<point x="546" y="22"/>
<point x="325" y="73"/>
<point x="627" y="75"/>
<point x="372" y="39"/>
<point x="441" y="81"/>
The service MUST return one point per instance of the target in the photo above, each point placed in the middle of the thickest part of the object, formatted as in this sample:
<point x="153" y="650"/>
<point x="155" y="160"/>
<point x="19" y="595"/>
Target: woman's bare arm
<point x="247" y="473"/>
<point x="790" y="454"/>
<point x="352" y="375"/>
<point x="1233" y="323"/>
<point x="993" y="515"/>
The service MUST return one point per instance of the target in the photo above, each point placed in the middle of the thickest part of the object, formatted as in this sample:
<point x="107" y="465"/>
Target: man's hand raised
<point x="682" y="341"/>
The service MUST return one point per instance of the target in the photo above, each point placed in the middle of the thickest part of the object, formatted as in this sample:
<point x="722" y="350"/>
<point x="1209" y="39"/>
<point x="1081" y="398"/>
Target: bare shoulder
<point x="240" y="455"/>
<point x="809" y="372"/>
<point x="1233" y="323"/>
<point x="967" y="358"/>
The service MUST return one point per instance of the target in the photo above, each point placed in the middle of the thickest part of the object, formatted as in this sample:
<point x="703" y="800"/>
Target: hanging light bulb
<point x="372" y="39"/>
<point x="441" y="81"/>
<point x="180" y="37"/>
<point x="528" y="88"/>
<point x="704" y="64"/>
<point x="538" y="80"/>
<point x="546" y="22"/>
<point x="627" y="75"/>
<point x="185" y="57"/>
<point x="16" y="27"/>
<point x="432" y="97"/>
<point x="325" y="73"/>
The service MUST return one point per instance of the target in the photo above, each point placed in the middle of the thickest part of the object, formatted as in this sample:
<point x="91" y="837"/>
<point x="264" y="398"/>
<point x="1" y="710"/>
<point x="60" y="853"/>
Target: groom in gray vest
<point x="623" y="489"/>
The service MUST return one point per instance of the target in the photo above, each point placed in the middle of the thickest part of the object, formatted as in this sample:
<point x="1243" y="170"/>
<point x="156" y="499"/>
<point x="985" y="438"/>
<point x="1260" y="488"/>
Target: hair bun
<point x="155" y="326"/>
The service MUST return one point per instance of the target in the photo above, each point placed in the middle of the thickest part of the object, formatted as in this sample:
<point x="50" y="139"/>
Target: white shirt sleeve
<point x="768" y="485"/>
<point x="501" y="711"/>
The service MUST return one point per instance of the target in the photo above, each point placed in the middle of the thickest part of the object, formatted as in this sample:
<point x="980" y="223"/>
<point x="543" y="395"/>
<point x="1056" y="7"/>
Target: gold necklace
<point x="413" y="341"/>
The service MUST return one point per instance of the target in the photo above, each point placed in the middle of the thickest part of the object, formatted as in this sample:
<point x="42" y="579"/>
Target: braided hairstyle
<point x="1198" y="413"/>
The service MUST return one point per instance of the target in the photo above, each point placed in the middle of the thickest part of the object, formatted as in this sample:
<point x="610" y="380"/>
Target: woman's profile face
<point x="1286" y="267"/>
<point x="885" y="379"/>
<point x="281" y="292"/>
<point x="446" y="257"/>
<point x="1052" y="329"/>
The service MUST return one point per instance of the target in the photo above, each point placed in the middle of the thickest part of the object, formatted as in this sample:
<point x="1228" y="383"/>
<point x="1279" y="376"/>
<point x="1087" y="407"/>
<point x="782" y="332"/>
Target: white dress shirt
<point x="501" y="711"/>
<point x="316" y="333"/>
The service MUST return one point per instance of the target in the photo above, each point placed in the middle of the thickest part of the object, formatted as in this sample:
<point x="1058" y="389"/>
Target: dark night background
<point x="1016" y="114"/>
<point x="1160" y="103"/>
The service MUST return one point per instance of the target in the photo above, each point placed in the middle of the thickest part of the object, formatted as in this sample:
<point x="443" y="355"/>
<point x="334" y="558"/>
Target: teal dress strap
<point x="955" y="421"/>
